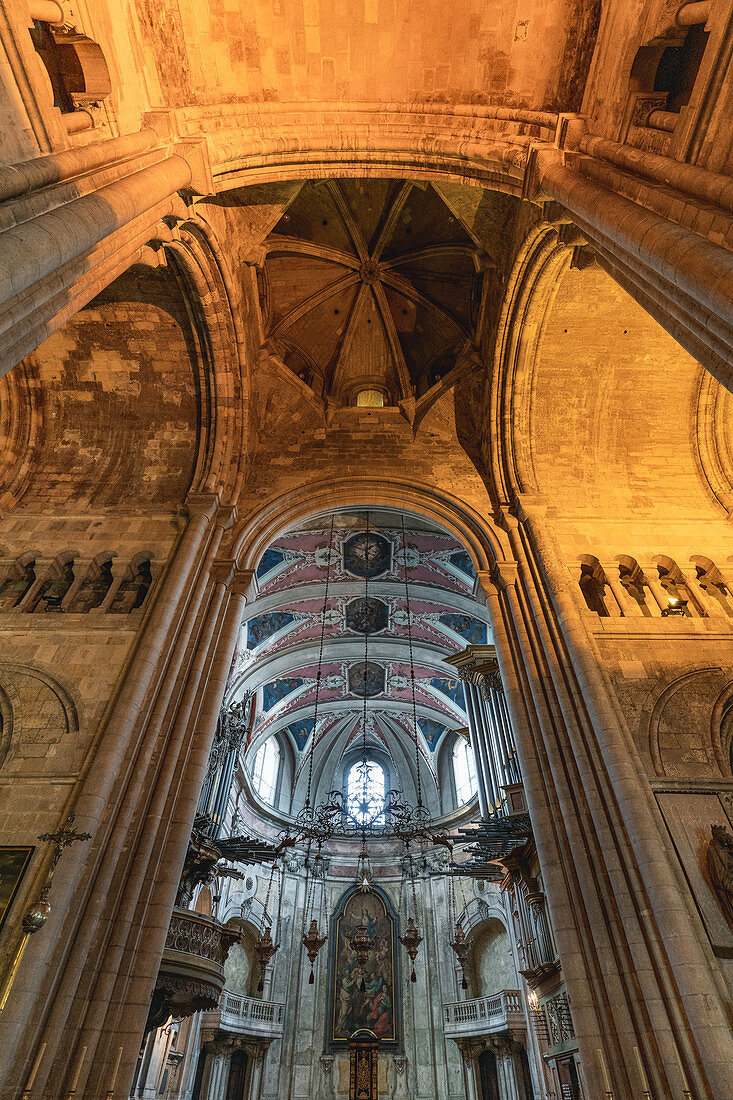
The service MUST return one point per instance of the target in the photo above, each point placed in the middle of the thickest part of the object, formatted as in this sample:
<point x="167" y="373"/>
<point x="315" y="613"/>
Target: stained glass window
<point x="265" y="770"/>
<point x="464" y="771"/>
<point x="365" y="793"/>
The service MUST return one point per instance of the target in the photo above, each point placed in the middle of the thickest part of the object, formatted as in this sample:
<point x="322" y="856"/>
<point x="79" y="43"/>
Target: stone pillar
<point x="574" y="747"/>
<point x="216" y="1076"/>
<point x="62" y="239"/>
<point x="653" y="583"/>
<point x="470" y="1069"/>
<point x="506" y="1070"/>
<point x="683" y="280"/>
<point x="256" y="1053"/>
<point x="626" y="603"/>
<point x="115" y="869"/>
<point x="706" y="604"/>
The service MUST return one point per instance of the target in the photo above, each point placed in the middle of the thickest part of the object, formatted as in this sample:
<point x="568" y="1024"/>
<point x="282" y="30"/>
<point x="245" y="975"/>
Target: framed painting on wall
<point x="375" y="1006"/>
<point x="13" y="865"/>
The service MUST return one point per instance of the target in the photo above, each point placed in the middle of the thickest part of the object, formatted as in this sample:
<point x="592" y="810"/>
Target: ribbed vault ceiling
<point x="371" y="283"/>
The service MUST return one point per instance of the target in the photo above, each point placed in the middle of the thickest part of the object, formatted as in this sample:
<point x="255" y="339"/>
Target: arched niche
<point x="377" y="1006"/>
<point x="117" y="385"/>
<point x="38" y="713"/>
<point x="446" y="772"/>
<point x="492" y="960"/>
<point x="241" y="968"/>
<point x="683" y="723"/>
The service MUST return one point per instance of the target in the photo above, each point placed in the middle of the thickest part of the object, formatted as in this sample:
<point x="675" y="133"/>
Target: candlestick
<point x="77" y="1074"/>
<point x="111" y="1089"/>
<point x="685" y="1086"/>
<point x="606" y="1080"/>
<point x="644" y="1083"/>
<point x="32" y="1076"/>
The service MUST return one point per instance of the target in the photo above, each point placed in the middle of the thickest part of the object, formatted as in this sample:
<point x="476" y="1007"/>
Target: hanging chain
<point x="412" y="883"/>
<point x="364" y="772"/>
<point x="324" y="897"/>
<point x="265" y="915"/>
<point x="412" y="665"/>
<point x="451" y="901"/>
<point x="366" y="654"/>
<point x="320" y="662"/>
<point x="280" y="883"/>
<point x="307" y="888"/>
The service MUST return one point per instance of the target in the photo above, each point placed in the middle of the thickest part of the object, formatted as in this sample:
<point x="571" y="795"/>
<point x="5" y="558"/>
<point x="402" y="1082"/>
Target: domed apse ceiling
<point x="374" y="284"/>
<point x="279" y="645"/>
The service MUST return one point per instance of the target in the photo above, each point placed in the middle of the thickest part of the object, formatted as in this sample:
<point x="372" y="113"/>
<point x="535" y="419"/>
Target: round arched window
<point x="464" y="771"/>
<point x="365" y="793"/>
<point x="266" y="769"/>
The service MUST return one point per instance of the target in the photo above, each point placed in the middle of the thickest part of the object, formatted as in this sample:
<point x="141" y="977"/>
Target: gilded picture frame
<point x="14" y="862"/>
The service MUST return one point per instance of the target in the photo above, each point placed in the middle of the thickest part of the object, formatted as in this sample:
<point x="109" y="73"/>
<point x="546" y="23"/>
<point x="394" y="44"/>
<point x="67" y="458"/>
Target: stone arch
<point x="721" y="726"/>
<point x="714" y="440"/>
<point x="21" y="431"/>
<point x="570" y="409"/>
<point x="446" y="777"/>
<point x="485" y="543"/>
<point x="681" y="721"/>
<point x="120" y="416"/>
<point x="484" y="921"/>
<point x="36" y="710"/>
<point x="533" y="286"/>
<point x="592" y="583"/>
<point x="6" y="724"/>
<point x="223" y="384"/>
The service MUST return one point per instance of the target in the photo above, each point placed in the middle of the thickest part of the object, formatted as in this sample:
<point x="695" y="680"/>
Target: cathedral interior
<point x="366" y="572"/>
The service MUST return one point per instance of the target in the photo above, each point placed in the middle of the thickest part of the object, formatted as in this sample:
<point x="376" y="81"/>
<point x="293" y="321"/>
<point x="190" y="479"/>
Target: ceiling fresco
<point x="366" y="617"/>
<point x="433" y="559"/>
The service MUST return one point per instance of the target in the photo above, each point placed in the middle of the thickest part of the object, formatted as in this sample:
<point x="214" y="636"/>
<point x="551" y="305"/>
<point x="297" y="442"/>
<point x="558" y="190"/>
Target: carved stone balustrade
<point x="484" y="1016"/>
<point x="247" y="1016"/>
<point x="191" y="975"/>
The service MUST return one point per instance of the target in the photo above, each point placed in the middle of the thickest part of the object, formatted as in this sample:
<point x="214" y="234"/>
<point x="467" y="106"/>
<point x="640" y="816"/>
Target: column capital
<point x="225" y="571"/>
<point x="202" y="504"/>
<point x="505" y="573"/>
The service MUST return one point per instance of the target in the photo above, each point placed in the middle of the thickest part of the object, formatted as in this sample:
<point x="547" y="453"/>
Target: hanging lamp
<point x="265" y="947"/>
<point x="311" y="939"/>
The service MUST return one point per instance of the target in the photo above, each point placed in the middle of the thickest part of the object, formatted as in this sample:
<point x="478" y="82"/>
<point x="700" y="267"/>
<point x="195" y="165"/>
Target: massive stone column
<point x="98" y="969"/>
<point x="635" y="969"/>
<point x="684" y="280"/>
<point x="70" y="222"/>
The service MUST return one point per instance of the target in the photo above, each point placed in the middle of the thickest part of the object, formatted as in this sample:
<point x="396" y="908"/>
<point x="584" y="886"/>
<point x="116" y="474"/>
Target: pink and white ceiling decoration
<point x="365" y="562"/>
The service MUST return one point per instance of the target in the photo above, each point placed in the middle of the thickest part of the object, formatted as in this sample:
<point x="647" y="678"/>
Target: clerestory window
<point x="464" y="771"/>
<point x="266" y="769"/>
<point x="365" y="793"/>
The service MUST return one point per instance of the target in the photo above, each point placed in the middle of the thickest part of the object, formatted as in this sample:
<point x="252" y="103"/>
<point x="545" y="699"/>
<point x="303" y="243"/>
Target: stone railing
<point x="247" y="1016"/>
<point x="484" y="1016"/>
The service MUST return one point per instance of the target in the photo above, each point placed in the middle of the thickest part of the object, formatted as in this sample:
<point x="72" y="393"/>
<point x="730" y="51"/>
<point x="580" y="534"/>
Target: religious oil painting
<point x="367" y="554"/>
<point x="364" y="999"/>
<point x="13" y="864"/>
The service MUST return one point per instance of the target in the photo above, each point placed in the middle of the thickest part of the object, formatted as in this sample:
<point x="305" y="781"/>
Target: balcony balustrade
<point x="247" y="1016"/>
<point x="483" y="1016"/>
<point x="191" y="975"/>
